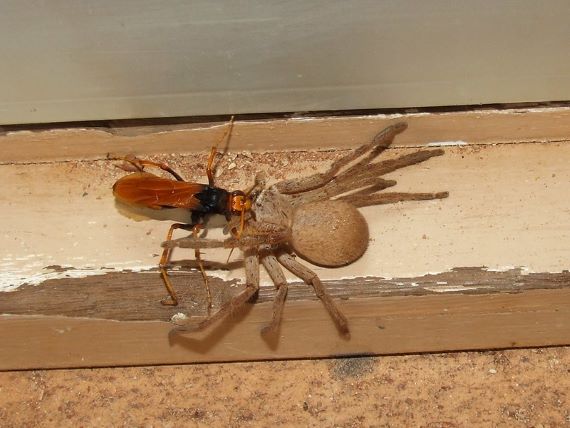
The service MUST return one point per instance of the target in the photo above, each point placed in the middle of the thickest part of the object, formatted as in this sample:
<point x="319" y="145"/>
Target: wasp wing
<point x="152" y="191"/>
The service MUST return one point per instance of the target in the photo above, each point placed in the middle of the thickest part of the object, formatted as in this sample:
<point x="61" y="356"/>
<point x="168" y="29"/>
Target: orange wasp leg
<point x="140" y="164"/>
<point x="195" y="231"/>
<point x="165" y="261"/>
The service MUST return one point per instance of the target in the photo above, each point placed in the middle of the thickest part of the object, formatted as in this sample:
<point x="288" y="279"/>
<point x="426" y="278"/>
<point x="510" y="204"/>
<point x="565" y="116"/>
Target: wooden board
<point x="92" y="290"/>
<point x="379" y="326"/>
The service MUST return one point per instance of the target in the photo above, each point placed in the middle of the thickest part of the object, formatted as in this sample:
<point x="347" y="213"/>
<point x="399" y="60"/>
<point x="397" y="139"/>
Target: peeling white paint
<point x="58" y="132"/>
<point x="11" y="281"/>
<point x="525" y="270"/>
<point x="36" y="273"/>
<point x="199" y="128"/>
<point x="450" y="289"/>
<point x="447" y="143"/>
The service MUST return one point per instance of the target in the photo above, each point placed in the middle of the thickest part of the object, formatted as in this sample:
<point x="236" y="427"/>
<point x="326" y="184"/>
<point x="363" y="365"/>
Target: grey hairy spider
<point x="287" y="215"/>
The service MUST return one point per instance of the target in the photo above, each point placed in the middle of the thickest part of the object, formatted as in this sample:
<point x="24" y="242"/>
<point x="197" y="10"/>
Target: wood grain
<point x="131" y="296"/>
<point x="379" y="326"/>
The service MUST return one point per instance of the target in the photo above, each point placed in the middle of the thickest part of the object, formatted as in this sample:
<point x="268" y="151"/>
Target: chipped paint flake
<point x="11" y="281"/>
<point x="524" y="270"/>
<point x="447" y="143"/>
<point x="449" y="288"/>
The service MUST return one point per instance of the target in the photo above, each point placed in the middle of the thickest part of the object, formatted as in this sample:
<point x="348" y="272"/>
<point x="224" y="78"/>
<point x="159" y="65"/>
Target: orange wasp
<point x="148" y="190"/>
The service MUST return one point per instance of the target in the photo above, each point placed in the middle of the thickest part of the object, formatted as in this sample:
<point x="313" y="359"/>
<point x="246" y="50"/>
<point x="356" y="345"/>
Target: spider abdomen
<point x="329" y="233"/>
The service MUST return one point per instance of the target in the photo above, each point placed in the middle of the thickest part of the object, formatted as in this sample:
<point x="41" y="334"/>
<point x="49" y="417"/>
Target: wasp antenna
<point x="230" y="255"/>
<point x="209" y="169"/>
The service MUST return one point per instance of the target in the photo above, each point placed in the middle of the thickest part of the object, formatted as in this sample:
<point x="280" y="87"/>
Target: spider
<point x="272" y="224"/>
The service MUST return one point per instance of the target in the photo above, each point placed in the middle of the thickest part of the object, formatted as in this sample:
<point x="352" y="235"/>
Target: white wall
<point x="63" y="60"/>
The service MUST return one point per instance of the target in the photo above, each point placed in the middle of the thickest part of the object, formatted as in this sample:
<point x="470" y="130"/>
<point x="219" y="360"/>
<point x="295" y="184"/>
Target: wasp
<point x="148" y="190"/>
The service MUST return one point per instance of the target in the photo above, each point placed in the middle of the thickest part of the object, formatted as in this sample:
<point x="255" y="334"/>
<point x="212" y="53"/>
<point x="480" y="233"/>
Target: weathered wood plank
<point x="130" y="296"/>
<point x="379" y="326"/>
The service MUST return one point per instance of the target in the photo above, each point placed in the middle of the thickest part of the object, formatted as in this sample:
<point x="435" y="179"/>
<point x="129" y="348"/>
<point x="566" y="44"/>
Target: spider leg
<point x="255" y="234"/>
<point x="364" y="200"/>
<point x="385" y="167"/>
<point x="258" y="185"/>
<point x="276" y="273"/>
<point x="351" y="182"/>
<point x="380" y="142"/>
<point x="198" y="243"/>
<point x="335" y="188"/>
<point x="364" y="176"/>
<point x="311" y="278"/>
<point x="251" y="262"/>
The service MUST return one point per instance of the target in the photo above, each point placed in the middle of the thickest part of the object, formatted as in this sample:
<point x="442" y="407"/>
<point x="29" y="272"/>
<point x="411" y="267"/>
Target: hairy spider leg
<point x="269" y="261"/>
<point x="390" y="198"/>
<point x="312" y="279"/>
<point x="275" y="272"/>
<point x="380" y="142"/>
<point x="251" y="262"/>
<point x="361" y="179"/>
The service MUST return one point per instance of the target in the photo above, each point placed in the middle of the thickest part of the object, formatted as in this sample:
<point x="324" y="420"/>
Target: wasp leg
<point x="172" y="300"/>
<point x="195" y="231"/>
<point x="139" y="164"/>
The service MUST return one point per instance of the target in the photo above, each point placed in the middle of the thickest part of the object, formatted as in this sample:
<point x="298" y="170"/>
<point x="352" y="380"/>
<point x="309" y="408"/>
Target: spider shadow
<point x="271" y="339"/>
<point x="203" y="341"/>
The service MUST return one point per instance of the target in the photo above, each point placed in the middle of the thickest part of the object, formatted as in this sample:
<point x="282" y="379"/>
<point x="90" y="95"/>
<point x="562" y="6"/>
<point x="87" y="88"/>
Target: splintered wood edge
<point x="472" y="127"/>
<point x="135" y="296"/>
<point x="389" y="325"/>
